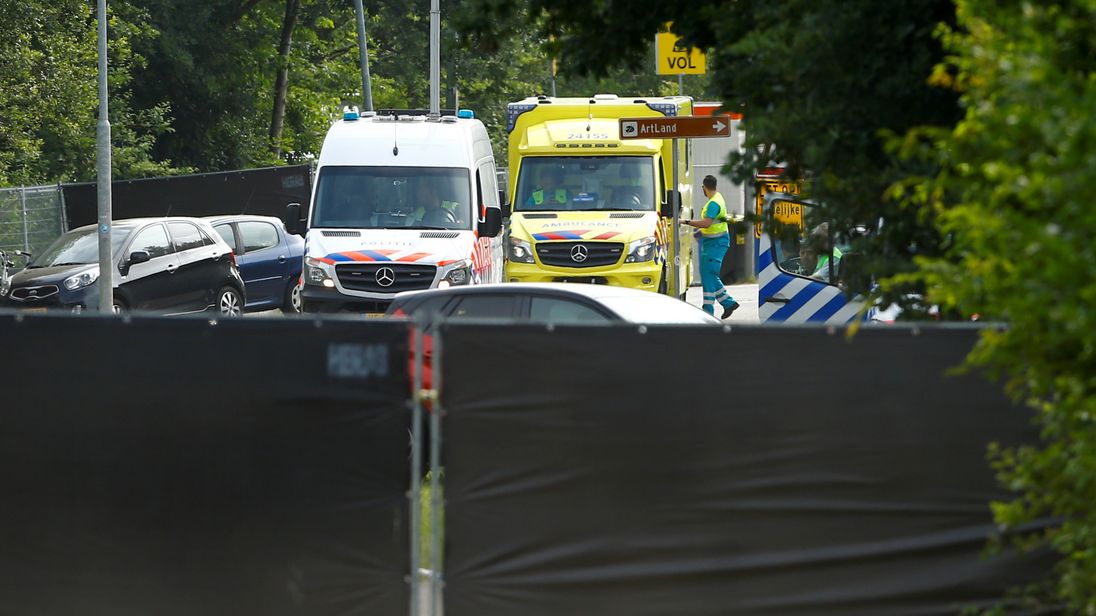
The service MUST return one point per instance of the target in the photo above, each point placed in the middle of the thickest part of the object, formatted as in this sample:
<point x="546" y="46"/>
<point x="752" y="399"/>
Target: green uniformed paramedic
<point x="820" y="237"/>
<point x="714" y="243"/>
<point x="550" y="190"/>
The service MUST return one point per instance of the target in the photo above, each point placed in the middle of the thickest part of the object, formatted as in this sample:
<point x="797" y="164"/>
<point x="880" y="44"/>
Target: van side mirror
<point x="491" y="225"/>
<point x="293" y="218"/>
<point x="138" y="256"/>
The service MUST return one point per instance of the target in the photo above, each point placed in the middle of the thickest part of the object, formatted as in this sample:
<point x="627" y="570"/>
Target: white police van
<point x="401" y="202"/>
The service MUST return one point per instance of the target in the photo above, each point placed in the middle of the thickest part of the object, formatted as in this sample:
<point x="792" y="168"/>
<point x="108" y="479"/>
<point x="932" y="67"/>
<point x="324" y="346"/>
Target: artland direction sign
<point x="675" y="127"/>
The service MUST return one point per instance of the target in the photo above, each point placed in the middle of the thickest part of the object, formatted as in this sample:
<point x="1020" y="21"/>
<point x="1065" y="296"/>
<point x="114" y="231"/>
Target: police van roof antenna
<point x="590" y="114"/>
<point x="395" y="146"/>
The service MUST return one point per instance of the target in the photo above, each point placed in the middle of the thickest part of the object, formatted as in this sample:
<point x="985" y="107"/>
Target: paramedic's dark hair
<point x="709" y="182"/>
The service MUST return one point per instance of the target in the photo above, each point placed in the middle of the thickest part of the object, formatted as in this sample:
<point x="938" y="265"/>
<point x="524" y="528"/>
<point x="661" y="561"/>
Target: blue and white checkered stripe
<point x="810" y="301"/>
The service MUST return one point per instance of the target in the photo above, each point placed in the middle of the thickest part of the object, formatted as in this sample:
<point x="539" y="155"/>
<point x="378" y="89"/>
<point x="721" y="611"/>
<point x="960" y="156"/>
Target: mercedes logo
<point x="579" y="253"/>
<point x="386" y="276"/>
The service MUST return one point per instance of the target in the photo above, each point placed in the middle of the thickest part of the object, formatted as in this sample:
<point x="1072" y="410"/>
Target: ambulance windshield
<point x="585" y="183"/>
<point x="393" y="197"/>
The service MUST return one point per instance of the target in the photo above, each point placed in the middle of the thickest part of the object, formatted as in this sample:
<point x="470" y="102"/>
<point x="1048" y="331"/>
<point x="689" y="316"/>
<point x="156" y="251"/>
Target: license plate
<point x="35" y="309"/>
<point x="374" y="315"/>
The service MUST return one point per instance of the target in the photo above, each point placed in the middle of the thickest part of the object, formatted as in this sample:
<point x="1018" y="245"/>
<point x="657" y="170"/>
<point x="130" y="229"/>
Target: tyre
<point x="291" y="303"/>
<point x="229" y="302"/>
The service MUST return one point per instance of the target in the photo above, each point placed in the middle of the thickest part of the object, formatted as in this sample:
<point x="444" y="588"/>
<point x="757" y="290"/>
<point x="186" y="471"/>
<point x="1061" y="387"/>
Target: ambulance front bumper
<point x="644" y="276"/>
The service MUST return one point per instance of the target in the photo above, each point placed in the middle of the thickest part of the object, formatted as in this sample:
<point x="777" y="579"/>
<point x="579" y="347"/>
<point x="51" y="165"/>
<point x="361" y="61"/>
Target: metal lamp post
<point x="102" y="174"/>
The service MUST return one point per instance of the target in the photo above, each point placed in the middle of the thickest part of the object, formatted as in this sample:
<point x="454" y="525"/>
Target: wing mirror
<point x="666" y="210"/>
<point x="491" y="225"/>
<point x="293" y="218"/>
<point x="139" y="256"/>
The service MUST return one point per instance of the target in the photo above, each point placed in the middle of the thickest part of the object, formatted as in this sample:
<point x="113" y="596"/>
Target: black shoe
<point x="727" y="310"/>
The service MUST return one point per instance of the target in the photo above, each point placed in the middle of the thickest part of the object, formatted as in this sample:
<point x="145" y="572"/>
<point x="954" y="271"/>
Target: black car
<point x="170" y="265"/>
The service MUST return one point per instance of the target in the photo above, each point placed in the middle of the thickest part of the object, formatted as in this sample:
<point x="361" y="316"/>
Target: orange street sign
<point x="675" y="127"/>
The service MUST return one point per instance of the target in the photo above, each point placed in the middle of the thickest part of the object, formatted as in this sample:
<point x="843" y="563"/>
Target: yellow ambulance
<point x="587" y="206"/>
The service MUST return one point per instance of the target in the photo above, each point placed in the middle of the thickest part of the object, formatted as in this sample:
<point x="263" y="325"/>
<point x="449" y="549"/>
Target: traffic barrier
<point x="587" y="471"/>
<point x="187" y="466"/>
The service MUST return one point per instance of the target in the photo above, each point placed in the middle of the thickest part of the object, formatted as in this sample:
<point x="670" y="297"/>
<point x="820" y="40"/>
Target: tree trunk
<point x="281" y="84"/>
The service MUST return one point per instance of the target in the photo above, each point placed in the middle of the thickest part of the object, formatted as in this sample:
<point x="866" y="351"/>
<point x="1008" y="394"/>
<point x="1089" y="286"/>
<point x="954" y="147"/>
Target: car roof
<point x="126" y="223"/>
<point x="239" y="217"/>
<point x="593" y="291"/>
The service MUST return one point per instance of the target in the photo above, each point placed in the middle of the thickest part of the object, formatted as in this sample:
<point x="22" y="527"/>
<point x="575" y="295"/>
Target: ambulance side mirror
<point x="504" y="203"/>
<point x="666" y="210"/>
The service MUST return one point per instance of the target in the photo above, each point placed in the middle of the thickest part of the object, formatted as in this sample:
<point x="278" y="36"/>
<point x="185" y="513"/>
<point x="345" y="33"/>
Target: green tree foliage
<point x="49" y="94"/>
<point x="1014" y="197"/>
<point x="822" y="82"/>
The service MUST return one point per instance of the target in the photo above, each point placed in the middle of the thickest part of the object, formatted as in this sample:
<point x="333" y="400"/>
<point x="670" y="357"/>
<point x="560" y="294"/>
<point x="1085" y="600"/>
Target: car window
<point x="225" y="231"/>
<point x="185" y="235"/>
<point x="206" y="240"/>
<point x="152" y="240"/>
<point x="258" y="235"/>
<point x="483" y="306"/>
<point x="558" y="310"/>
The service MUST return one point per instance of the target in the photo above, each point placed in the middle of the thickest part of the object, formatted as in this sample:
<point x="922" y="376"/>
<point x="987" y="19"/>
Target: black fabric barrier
<point x="264" y="192"/>
<point x="592" y="471"/>
<point x="170" y="466"/>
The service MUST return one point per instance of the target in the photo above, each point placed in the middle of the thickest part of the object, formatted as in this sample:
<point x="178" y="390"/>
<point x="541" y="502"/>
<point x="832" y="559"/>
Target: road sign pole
<point x="681" y="84"/>
<point x="676" y="228"/>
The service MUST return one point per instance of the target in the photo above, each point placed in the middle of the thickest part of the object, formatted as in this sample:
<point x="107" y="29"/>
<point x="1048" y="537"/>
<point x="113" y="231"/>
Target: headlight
<point x="520" y="251"/>
<point x="460" y="274"/>
<point x="79" y="281"/>
<point x="641" y="250"/>
<point x="315" y="274"/>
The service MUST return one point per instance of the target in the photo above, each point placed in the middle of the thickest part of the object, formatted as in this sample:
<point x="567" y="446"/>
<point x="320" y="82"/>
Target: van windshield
<point x="393" y="198"/>
<point x="584" y="183"/>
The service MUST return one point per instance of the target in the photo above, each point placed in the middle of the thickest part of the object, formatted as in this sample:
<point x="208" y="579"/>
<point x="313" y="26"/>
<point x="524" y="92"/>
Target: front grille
<point x="341" y="233"/>
<point x="364" y="276"/>
<point x="439" y="235"/>
<point x="626" y="215"/>
<point x="568" y="254"/>
<point x="35" y="294"/>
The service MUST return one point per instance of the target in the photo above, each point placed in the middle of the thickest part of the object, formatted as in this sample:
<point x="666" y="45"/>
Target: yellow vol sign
<point x="674" y="59"/>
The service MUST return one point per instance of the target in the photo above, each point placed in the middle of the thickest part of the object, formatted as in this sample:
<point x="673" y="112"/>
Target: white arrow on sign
<point x="719" y="126"/>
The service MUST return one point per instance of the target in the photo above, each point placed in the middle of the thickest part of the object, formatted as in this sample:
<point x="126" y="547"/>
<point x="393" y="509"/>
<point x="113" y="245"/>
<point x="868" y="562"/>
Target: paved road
<point x="744" y="294"/>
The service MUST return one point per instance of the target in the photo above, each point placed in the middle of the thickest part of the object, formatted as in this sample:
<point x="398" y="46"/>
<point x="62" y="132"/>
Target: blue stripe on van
<point x="797" y="302"/>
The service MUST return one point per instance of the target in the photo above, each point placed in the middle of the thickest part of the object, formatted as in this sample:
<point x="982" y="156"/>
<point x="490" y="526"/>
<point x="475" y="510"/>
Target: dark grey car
<point x="171" y="265"/>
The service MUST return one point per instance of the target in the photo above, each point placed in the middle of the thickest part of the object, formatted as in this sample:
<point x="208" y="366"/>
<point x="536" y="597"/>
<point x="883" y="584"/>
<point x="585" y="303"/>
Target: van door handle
<point x="776" y="300"/>
<point x="171" y="268"/>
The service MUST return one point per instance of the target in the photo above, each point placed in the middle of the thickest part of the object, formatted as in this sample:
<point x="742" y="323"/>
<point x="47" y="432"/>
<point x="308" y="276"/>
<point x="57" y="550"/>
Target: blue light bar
<point x="466" y="114"/>
<point x="350" y="114"/>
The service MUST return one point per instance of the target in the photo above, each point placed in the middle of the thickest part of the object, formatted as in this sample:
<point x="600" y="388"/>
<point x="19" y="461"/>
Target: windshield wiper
<point x="64" y="264"/>
<point x="417" y="227"/>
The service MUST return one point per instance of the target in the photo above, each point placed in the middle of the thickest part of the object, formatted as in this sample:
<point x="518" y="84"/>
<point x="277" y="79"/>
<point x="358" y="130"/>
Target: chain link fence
<point x="31" y="217"/>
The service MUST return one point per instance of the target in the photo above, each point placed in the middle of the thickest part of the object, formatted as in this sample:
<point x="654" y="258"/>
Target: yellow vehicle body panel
<point x="590" y="127"/>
